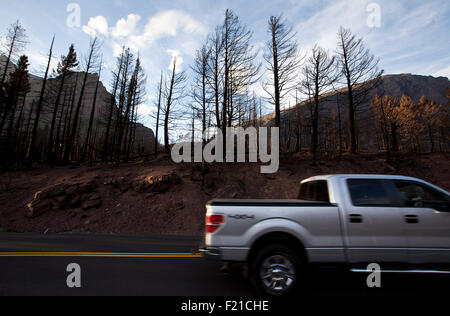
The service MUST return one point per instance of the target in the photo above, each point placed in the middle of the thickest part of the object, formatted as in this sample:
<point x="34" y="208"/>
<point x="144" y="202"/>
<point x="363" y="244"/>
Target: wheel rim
<point x="278" y="274"/>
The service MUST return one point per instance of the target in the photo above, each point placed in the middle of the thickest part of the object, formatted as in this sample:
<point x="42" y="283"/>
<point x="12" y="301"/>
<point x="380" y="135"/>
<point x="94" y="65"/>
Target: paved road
<point x="160" y="266"/>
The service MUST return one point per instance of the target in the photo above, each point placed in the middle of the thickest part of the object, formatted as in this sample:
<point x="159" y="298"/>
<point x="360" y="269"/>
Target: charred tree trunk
<point x="51" y="143"/>
<point x="167" y="114"/>
<point x="31" y="148"/>
<point x="157" y="116"/>
<point x="73" y="133"/>
<point x="91" y="119"/>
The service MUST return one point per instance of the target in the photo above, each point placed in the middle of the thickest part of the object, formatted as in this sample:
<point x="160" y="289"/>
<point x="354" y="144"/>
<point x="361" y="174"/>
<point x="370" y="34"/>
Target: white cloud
<point x="175" y="54"/>
<point x="125" y="27"/>
<point x="96" y="26"/>
<point x="167" y="23"/>
<point x="322" y="27"/>
<point x="117" y="49"/>
<point x="39" y="63"/>
<point x="171" y="23"/>
<point x="145" y="109"/>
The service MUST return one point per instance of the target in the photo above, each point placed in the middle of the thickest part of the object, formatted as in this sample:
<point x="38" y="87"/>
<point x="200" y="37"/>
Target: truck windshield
<point x="316" y="191"/>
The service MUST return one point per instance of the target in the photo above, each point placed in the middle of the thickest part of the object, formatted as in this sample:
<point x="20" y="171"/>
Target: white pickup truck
<point x="400" y="223"/>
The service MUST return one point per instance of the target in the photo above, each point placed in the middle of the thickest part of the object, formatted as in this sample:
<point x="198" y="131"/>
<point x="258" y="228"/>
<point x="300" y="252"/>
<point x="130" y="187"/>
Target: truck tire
<point x="276" y="270"/>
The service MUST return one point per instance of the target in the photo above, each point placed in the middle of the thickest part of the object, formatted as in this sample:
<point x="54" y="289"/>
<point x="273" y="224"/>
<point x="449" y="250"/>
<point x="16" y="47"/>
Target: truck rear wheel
<point x="276" y="270"/>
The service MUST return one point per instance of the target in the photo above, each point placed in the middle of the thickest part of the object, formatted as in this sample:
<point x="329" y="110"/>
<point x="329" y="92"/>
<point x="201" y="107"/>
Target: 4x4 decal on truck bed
<point x="242" y="216"/>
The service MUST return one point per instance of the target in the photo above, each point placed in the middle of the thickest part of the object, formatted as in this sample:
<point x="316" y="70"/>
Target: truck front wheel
<point x="276" y="270"/>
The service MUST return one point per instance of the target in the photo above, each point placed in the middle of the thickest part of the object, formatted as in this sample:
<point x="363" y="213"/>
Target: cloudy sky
<point x="410" y="36"/>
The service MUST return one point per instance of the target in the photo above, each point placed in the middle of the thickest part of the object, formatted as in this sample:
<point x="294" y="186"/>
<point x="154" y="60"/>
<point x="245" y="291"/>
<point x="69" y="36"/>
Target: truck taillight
<point x="213" y="223"/>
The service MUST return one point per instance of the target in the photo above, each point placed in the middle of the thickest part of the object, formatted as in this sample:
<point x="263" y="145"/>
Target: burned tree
<point x="215" y="78"/>
<point x="320" y="74"/>
<point x="31" y="147"/>
<point x="116" y="80"/>
<point x="91" y="60"/>
<point x="124" y="82"/>
<point x="17" y="88"/>
<point x="239" y="68"/>
<point x="386" y="110"/>
<point x="357" y="65"/>
<point x="138" y="94"/>
<point x="283" y="61"/>
<point x="173" y="94"/>
<point x="14" y="43"/>
<point x="200" y="93"/>
<point x="131" y="92"/>
<point x="158" y="112"/>
<point x="65" y="67"/>
<point x="91" y="117"/>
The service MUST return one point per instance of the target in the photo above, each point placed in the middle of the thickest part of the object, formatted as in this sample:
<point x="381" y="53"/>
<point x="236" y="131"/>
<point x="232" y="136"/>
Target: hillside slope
<point x="165" y="198"/>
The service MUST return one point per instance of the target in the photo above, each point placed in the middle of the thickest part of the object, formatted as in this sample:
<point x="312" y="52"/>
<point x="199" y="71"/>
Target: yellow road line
<point x="100" y="254"/>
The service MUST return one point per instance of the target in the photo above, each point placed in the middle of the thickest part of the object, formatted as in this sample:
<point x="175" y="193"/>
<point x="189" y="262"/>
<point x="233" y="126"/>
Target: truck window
<point x="315" y="191"/>
<point x="368" y="192"/>
<point x="418" y="195"/>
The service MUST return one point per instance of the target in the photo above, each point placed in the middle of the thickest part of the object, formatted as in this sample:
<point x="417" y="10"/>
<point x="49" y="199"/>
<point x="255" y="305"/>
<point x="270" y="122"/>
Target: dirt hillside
<point x="160" y="197"/>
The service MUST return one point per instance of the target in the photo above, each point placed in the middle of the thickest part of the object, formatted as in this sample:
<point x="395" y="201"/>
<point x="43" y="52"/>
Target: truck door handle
<point x="356" y="218"/>
<point x="412" y="219"/>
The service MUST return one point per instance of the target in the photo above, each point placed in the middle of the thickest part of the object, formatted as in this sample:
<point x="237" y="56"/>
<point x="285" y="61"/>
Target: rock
<point x="73" y="190"/>
<point x="50" y="192"/>
<point x="63" y="196"/>
<point x="158" y="184"/>
<point x="88" y="205"/>
<point x="93" y="197"/>
<point x="91" y="201"/>
<point x="88" y="187"/>
<point x="122" y="184"/>
<point x="60" y="202"/>
<point x="38" y="207"/>
<point x="76" y="202"/>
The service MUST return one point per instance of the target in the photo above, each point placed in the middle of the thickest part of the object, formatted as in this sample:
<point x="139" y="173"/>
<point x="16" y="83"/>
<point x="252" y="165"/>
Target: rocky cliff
<point x="144" y="138"/>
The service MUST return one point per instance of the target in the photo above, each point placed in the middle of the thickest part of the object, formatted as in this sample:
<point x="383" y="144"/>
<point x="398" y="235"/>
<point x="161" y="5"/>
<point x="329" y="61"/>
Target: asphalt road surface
<point x="32" y="264"/>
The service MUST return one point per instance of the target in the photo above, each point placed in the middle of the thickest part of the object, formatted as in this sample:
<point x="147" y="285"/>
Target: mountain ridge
<point x="333" y="102"/>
